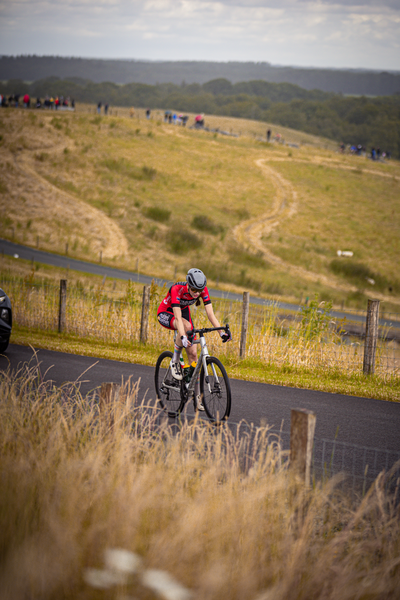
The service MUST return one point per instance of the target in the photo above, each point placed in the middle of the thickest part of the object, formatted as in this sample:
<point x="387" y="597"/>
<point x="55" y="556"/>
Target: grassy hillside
<point x="371" y="122"/>
<point x="264" y="217"/>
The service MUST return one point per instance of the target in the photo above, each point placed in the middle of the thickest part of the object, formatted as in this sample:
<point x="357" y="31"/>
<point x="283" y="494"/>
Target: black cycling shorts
<point x="166" y="318"/>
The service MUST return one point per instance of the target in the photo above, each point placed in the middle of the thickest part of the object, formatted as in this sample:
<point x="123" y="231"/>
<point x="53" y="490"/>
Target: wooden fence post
<point x="371" y="336"/>
<point x="144" y="323"/>
<point x="62" y="311"/>
<point x="302" y="428"/>
<point x="245" y="324"/>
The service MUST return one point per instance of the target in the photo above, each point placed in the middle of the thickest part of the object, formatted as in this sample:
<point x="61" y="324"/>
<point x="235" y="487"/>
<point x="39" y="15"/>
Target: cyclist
<point x="174" y="313"/>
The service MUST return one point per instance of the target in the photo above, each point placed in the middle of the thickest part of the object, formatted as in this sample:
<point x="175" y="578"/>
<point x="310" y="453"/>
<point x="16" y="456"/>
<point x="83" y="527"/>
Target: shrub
<point x="56" y="122"/>
<point x="127" y="169"/>
<point x="206" y="224"/>
<point x="157" y="213"/>
<point x="359" y="274"/>
<point x="41" y="156"/>
<point x="244" y="257"/>
<point x="148" y="173"/>
<point x="182" y="241"/>
<point x="316" y="319"/>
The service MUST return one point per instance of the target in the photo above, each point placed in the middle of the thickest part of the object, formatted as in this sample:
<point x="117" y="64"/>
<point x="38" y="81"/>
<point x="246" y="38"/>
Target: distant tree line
<point x="346" y="81"/>
<point x="352" y="120"/>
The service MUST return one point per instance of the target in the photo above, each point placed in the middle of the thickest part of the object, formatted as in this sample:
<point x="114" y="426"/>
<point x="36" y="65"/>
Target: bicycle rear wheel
<point x="215" y="390"/>
<point x="168" y="389"/>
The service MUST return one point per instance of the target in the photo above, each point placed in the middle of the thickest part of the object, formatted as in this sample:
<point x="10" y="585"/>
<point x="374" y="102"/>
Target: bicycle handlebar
<point x="190" y="334"/>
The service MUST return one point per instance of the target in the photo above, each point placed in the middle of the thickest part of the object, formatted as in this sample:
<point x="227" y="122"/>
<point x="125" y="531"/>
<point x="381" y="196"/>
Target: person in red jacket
<point x="174" y="313"/>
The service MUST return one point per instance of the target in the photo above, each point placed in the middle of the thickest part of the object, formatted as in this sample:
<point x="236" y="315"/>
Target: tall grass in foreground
<point x="222" y="516"/>
<point x="111" y="317"/>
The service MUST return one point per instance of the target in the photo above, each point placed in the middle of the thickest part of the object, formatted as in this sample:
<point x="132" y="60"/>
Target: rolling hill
<point x="269" y="218"/>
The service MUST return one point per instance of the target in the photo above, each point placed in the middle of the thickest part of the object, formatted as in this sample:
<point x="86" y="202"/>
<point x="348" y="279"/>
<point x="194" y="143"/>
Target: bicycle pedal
<point x="173" y="383"/>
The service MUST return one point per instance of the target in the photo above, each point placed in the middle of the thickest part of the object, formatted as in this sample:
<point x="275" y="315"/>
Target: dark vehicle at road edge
<point x="5" y="320"/>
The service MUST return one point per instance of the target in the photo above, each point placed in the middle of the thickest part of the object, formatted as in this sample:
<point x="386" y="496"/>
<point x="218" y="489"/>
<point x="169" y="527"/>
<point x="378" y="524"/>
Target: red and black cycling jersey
<point x="179" y="295"/>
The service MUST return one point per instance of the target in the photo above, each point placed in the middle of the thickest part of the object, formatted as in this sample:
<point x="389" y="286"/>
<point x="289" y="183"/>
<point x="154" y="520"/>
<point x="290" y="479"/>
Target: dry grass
<point x="96" y="311"/>
<point x="80" y="179"/>
<point x="221" y="515"/>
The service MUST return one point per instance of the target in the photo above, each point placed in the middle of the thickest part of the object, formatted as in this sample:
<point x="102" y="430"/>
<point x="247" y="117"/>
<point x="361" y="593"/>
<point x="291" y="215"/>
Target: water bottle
<point x="191" y="370"/>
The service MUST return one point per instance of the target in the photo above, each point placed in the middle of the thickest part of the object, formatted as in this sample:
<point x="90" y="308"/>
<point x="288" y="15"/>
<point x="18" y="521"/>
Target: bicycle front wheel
<point x="168" y="389"/>
<point x="215" y="390"/>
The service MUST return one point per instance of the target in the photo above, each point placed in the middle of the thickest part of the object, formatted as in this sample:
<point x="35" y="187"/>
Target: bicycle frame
<point x="202" y="360"/>
<point x="208" y="373"/>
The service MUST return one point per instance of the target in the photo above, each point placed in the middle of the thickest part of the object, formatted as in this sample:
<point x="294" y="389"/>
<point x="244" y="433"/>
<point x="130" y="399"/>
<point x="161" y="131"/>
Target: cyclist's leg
<point x="166" y="319"/>
<point x="188" y="325"/>
<point x="192" y="357"/>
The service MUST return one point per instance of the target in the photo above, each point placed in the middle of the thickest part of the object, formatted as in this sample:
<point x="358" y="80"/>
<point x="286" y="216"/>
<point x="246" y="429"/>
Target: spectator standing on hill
<point x="378" y="154"/>
<point x="27" y="101"/>
<point x="99" y="108"/>
<point x="268" y="135"/>
<point x="57" y="102"/>
<point x="148" y="112"/>
<point x="106" y="108"/>
<point x="373" y="154"/>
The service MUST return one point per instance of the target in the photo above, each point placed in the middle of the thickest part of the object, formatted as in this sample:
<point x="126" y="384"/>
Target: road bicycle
<point x="215" y="389"/>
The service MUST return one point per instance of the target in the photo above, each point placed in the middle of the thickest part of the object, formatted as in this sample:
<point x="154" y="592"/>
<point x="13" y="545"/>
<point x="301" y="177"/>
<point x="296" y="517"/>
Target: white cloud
<point x="341" y="33"/>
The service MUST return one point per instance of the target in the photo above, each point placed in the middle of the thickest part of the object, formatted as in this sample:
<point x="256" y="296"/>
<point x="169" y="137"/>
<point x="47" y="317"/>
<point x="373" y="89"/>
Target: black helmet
<point x="196" y="279"/>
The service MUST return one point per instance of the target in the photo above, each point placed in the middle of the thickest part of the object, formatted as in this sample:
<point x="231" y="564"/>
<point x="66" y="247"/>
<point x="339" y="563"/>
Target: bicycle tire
<point x="168" y="389"/>
<point x="217" y="403"/>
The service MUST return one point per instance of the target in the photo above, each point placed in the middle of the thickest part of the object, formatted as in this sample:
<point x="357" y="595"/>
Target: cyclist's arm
<point x="211" y="316"/>
<point x="178" y="320"/>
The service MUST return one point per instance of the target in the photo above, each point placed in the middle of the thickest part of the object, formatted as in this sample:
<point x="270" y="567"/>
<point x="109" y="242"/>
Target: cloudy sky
<point x="322" y="33"/>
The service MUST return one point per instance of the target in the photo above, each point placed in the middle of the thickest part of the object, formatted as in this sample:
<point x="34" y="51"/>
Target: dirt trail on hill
<point x="56" y="214"/>
<point x="250" y="233"/>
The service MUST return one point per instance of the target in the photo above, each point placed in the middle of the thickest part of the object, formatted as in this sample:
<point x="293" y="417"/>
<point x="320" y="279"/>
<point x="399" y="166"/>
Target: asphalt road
<point x="363" y="421"/>
<point x="66" y="262"/>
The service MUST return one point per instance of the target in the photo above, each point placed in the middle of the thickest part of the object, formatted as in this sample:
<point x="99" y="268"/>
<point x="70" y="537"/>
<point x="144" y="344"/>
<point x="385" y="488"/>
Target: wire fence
<point x="360" y="465"/>
<point x="354" y="466"/>
<point x="304" y="338"/>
